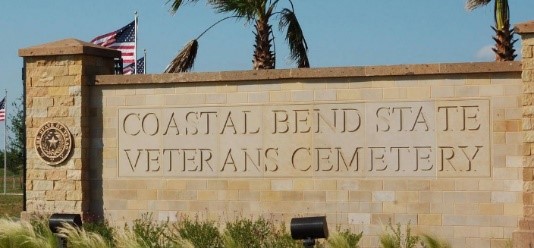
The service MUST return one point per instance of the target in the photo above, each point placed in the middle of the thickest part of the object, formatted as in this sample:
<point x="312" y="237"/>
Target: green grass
<point x="10" y="205"/>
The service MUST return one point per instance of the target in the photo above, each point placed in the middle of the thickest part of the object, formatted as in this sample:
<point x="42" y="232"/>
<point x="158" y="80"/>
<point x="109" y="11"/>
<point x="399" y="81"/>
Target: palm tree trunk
<point x="504" y="42"/>
<point x="263" y="57"/>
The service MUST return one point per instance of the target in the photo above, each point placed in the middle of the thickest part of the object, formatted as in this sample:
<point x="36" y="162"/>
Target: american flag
<point x="123" y="40"/>
<point x="3" y="110"/>
<point x="140" y="67"/>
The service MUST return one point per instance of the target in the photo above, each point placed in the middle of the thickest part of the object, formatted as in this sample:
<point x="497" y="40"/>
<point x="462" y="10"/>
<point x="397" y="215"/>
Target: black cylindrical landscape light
<point x="57" y="221"/>
<point x="308" y="229"/>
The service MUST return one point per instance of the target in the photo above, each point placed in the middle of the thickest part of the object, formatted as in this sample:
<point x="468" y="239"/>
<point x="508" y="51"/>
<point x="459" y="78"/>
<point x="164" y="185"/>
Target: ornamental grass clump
<point x="23" y="234"/>
<point x="126" y="238"/>
<point x="79" y="238"/>
<point x="102" y="228"/>
<point x="345" y="239"/>
<point x="432" y="242"/>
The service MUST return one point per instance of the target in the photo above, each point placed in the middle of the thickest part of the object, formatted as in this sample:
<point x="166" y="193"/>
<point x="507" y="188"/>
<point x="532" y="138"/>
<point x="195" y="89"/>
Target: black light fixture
<point x="308" y="229"/>
<point x="57" y="221"/>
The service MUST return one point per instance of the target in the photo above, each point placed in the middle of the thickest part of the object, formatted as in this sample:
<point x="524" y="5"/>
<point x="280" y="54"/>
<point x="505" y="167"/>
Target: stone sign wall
<point x="439" y="150"/>
<point x="440" y="146"/>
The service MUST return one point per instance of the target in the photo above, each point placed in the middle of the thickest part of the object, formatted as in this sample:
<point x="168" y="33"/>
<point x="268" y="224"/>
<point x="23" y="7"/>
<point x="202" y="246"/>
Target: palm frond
<point x="271" y="8"/>
<point x="243" y="9"/>
<point x="185" y="59"/>
<point x="295" y="38"/>
<point x="214" y="24"/>
<point x="176" y="4"/>
<point x="473" y="4"/>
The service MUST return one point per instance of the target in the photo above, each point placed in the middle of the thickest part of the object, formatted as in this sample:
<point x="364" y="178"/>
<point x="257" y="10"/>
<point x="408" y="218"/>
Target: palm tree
<point x="260" y="13"/>
<point x="504" y="42"/>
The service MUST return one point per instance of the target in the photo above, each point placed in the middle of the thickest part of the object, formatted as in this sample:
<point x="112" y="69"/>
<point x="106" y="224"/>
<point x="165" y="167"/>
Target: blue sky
<point x="339" y="33"/>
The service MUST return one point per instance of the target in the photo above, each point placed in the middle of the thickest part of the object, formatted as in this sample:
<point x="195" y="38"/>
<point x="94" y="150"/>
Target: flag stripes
<point x="140" y="67"/>
<point x="123" y="40"/>
<point x="3" y="110"/>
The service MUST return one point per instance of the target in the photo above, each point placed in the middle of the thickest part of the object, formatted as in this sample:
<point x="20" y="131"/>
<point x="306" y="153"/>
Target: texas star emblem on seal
<point x="53" y="142"/>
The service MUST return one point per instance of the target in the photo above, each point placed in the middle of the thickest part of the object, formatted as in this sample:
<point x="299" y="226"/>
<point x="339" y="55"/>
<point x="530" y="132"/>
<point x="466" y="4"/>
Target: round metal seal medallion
<point x="53" y="142"/>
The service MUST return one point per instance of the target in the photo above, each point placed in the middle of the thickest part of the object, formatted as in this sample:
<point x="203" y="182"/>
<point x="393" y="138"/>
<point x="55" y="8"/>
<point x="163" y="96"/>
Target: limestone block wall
<point x="524" y="237"/>
<point x="438" y="146"/>
<point x="56" y="76"/>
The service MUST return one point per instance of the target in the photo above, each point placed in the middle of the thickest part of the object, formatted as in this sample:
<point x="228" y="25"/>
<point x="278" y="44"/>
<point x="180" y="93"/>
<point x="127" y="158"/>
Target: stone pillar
<point x="524" y="237"/>
<point x="57" y="80"/>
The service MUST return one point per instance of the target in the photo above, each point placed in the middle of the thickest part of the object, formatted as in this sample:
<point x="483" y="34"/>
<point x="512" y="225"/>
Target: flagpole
<point x="5" y="143"/>
<point x="144" y="71"/>
<point x="135" y="44"/>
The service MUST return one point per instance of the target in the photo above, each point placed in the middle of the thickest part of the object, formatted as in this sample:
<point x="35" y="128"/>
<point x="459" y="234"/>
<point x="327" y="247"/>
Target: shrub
<point x="152" y="234"/>
<point x="398" y="239"/>
<point x="280" y="238"/>
<point x="246" y="233"/>
<point x="200" y="234"/>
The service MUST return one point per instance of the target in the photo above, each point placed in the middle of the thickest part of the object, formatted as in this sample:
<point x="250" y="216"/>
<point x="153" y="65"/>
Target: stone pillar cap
<point x="525" y="27"/>
<point x="68" y="47"/>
